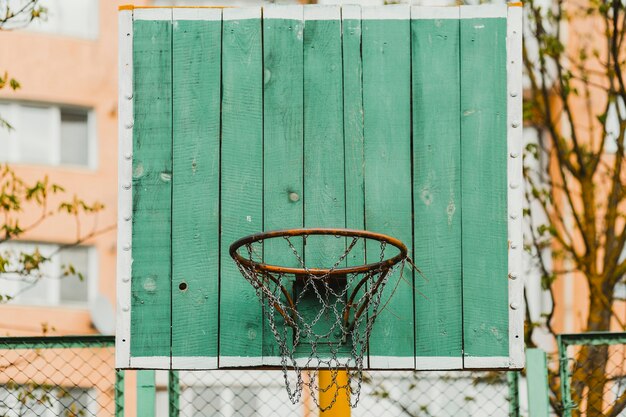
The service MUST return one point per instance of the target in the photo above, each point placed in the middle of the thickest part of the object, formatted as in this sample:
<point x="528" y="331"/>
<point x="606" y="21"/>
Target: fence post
<point x="119" y="393"/>
<point x="513" y="382"/>
<point x="173" y="388"/>
<point x="146" y="393"/>
<point x="537" y="382"/>
<point x="566" y="393"/>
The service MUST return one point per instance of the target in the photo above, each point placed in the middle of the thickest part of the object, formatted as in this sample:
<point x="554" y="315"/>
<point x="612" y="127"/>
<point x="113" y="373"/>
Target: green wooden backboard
<point x="396" y="119"/>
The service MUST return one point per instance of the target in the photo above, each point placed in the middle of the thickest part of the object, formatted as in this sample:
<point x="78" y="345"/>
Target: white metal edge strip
<point x="484" y="11"/>
<point x="150" y="362"/>
<point x="239" y="361"/>
<point x="437" y="363"/>
<point x="351" y="11"/>
<point x="515" y="186"/>
<point x="389" y="12"/>
<point x="392" y="362"/>
<point x="196" y="13"/>
<point x="283" y="12"/>
<point x="433" y="12"/>
<point x="317" y="12"/>
<point x="241" y="13"/>
<point x="194" y="362"/>
<point x="486" y="362"/>
<point x="124" y="183"/>
<point x="153" y="14"/>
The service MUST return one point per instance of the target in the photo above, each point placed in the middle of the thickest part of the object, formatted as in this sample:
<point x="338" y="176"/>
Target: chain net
<point x="321" y="321"/>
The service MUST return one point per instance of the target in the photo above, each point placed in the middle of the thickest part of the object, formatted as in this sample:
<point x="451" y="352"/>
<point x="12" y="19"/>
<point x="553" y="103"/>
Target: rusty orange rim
<point x="385" y="264"/>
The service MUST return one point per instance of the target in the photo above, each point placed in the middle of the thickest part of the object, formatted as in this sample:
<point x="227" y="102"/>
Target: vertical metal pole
<point x="119" y="393"/>
<point x="537" y="382"/>
<point x="341" y="407"/>
<point x="173" y="389"/>
<point x="146" y="393"/>
<point x="566" y="392"/>
<point x="513" y="380"/>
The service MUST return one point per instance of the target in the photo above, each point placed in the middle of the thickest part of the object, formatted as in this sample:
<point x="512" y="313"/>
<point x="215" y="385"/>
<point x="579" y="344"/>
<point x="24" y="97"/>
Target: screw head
<point x="294" y="197"/>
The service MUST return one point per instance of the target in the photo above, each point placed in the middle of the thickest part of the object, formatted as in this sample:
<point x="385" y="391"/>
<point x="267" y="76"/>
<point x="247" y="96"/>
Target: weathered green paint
<point x="152" y="189"/>
<point x="324" y="186"/>
<point x="146" y="394"/>
<point x="513" y="382"/>
<point x="283" y="143"/>
<point x="195" y="193"/>
<point x="537" y="383"/>
<point x="352" y="123"/>
<point x="437" y="186"/>
<point x="484" y="196"/>
<point x="353" y="136"/>
<point x="173" y="391"/>
<point x="242" y="182"/>
<point x="387" y="133"/>
<point x="119" y="393"/>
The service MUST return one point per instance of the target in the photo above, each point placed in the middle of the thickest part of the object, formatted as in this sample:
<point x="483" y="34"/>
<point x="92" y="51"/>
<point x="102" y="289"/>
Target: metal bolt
<point x="125" y="279"/>
<point x="129" y="96"/>
<point x="513" y="93"/>
<point x="514" y="155"/>
<point x="130" y="125"/>
<point x="512" y="276"/>
<point x="513" y="245"/>
<point x="125" y="308"/>
<point x="128" y="155"/>
<point x="514" y="306"/>
<point x="294" y="197"/>
<point x="513" y="216"/>
<point x="514" y="185"/>
<point x="126" y="247"/>
<point x="515" y="124"/>
<point x="126" y="185"/>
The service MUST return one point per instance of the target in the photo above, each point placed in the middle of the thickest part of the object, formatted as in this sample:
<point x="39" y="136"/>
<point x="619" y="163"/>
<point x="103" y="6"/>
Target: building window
<point x="75" y="18"/>
<point x="52" y="285"/>
<point x="42" y="400"/>
<point x="48" y="135"/>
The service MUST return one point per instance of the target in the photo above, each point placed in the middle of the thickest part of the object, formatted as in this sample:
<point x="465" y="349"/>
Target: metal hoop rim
<point x="366" y="234"/>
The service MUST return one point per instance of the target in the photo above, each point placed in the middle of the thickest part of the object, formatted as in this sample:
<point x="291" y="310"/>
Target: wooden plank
<point x="537" y="383"/>
<point x="283" y="29"/>
<point x="242" y="182"/>
<point x="195" y="194"/>
<point x="146" y="393"/>
<point x="152" y="193"/>
<point x="484" y="204"/>
<point x="324" y="188"/>
<point x="353" y="136"/>
<point x="437" y="188"/>
<point x="388" y="205"/>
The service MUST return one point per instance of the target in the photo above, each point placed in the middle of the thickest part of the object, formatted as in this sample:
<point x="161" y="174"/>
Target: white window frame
<point x="13" y="114"/>
<point x="53" y="283"/>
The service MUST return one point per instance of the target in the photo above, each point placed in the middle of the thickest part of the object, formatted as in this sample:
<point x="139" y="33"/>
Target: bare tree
<point x="575" y="99"/>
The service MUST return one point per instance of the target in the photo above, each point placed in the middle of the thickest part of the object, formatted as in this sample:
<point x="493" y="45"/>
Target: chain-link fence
<point x="75" y="376"/>
<point x="593" y="374"/>
<point x="384" y="393"/>
<point x="58" y="376"/>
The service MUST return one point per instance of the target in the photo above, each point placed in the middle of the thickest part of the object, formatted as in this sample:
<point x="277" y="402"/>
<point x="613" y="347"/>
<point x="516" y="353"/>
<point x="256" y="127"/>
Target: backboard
<point x="399" y="120"/>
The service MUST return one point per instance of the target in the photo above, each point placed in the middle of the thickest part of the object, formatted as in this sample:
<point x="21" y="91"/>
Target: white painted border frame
<point x="515" y="186"/>
<point x="124" y="182"/>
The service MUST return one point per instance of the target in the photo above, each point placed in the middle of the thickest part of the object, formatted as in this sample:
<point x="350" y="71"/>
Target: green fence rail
<point x="592" y="370"/>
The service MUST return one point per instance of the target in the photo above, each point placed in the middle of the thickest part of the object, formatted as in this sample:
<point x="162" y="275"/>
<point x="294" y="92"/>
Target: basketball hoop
<point x="321" y="316"/>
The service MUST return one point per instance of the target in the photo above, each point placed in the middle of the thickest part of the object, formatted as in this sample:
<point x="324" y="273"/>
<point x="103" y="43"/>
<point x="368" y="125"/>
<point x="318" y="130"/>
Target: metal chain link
<point x="295" y="329"/>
